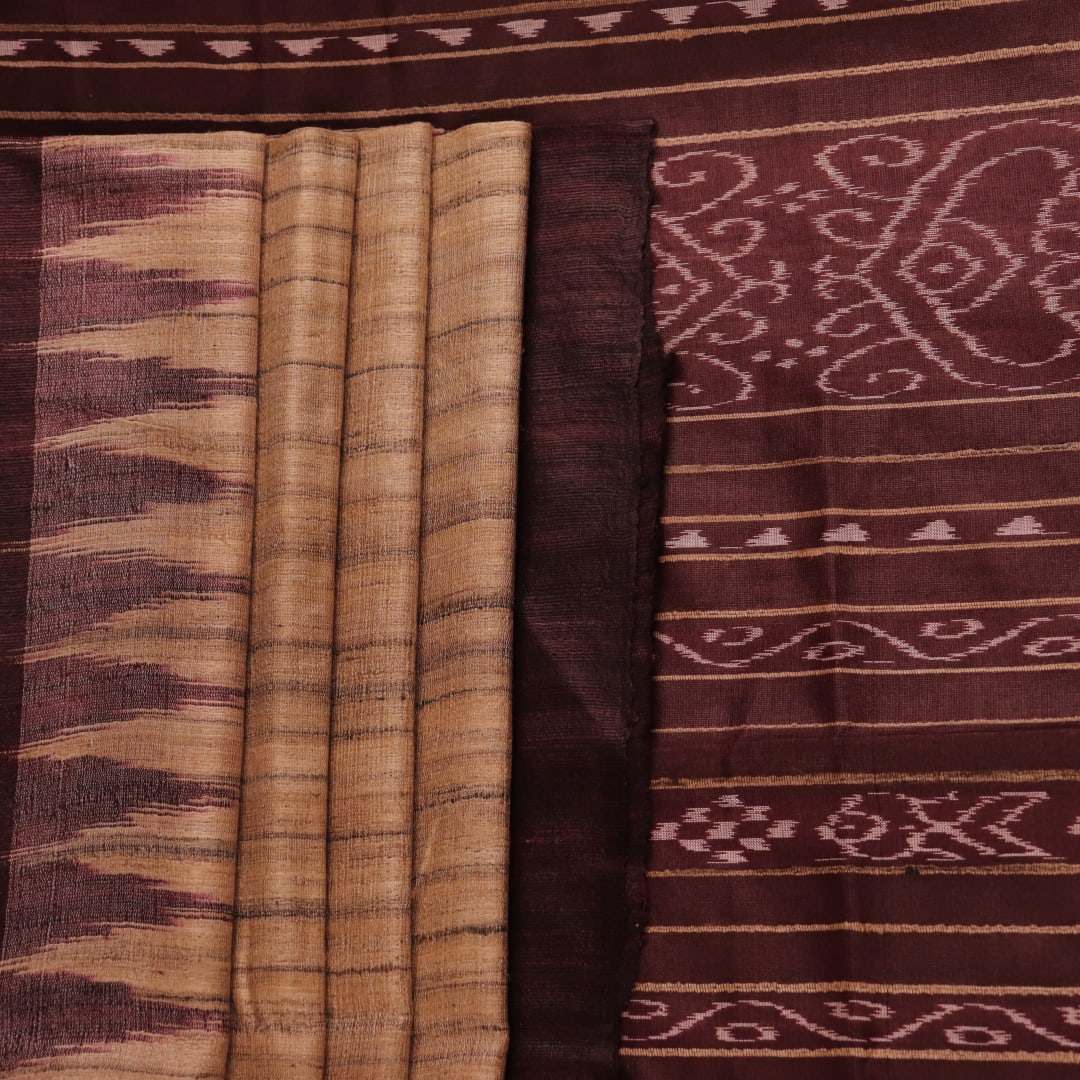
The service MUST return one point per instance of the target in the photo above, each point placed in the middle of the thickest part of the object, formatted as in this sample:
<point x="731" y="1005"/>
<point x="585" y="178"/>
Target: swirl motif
<point x="929" y="278"/>
<point x="907" y="250"/>
<point x="817" y="642"/>
<point x="961" y="1024"/>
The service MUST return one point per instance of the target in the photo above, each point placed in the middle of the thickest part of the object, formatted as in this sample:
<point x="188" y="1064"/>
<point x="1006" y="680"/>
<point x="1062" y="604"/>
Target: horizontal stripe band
<point x="1016" y="870"/>
<point x="865" y="928"/>
<point x="711" y="677"/>
<point x="956" y="60"/>
<point x="992" y="776"/>
<point x="878" y="609"/>
<point x="867" y="511"/>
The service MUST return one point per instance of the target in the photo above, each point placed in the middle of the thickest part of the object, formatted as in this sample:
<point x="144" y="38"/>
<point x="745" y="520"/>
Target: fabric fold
<point x="262" y="464"/>
<point x="279" y="961"/>
<point x="461" y="828"/>
<point x="369" y="974"/>
<point x="589" y="481"/>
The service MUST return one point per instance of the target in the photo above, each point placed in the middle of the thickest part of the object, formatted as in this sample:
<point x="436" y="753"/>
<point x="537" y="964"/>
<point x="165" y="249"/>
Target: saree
<point x="863" y="767"/>
<point x="204" y="748"/>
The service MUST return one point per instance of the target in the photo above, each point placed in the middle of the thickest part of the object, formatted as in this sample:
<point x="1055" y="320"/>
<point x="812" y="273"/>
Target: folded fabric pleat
<point x="262" y="468"/>
<point x="369" y="973"/>
<point x="279" y="976"/>
<point x="461" y="830"/>
<point x="590" y="468"/>
<point x="127" y="736"/>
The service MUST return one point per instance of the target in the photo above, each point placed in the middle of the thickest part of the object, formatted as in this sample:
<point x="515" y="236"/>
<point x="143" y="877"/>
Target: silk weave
<point x="263" y="405"/>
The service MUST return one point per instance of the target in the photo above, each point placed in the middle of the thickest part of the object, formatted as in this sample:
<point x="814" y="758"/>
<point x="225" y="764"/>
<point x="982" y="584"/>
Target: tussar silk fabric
<point x="591" y="426"/>
<point x="279" y="953"/>
<point x="479" y="203"/>
<point x="865" y="797"/>
<point x="136" y="366"/>
<point x="369" y="954"/>
<point x="218" y="347"/>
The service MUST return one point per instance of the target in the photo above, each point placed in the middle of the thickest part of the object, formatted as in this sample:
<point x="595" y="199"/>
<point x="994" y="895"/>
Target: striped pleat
<point x="262" y="756"/>
<point x="280" y="943"/>
<point x="461" y="837"/>
<point x="371" y="752"/>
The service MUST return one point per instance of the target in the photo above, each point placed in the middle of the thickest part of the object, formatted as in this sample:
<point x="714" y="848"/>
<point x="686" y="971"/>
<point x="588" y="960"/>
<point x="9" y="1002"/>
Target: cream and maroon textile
<point x="865" y="763"/>
<point x="214" y="351"/>
<point x="135" y="361"/>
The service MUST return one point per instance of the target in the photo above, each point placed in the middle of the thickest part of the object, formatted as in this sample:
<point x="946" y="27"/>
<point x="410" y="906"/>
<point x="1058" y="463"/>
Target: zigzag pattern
<point x="138" y="573"/>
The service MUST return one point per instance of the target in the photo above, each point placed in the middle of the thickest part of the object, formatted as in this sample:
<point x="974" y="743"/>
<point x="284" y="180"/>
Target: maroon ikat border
<point x="865" y="771"/>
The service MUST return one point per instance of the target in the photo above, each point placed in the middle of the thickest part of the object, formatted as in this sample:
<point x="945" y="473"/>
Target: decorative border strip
<point x="456" y="34"/>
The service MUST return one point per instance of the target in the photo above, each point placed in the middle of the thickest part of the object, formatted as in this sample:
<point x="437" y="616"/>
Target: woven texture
<point x="849" y="230"/>
<point x="865" y="767"/>
<point x="589" y="478"/>
<point x="479" y="191"/>
<point x="371" y="763"/>
<point x="217" y="348"/>
<point x="131" y="721"/>
<point x="279" y="960"/>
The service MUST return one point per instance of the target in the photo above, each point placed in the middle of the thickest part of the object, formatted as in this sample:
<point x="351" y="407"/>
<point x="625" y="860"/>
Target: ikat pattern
<point x="909" y="826"/>
<point x="866" y="269"/>
<point x="392" y="39"/>
<point x="929" y="1024"/>
<point x="131" y="713"/>
<point x="867" y="639"/>
<point x="909" y="640"/>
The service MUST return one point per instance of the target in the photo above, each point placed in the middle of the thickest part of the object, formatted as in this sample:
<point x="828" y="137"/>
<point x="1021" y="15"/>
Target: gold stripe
<point x="860" y="987"/>
<point x="875" y="459"/>
<point x="877" y="406"/>
<point x="873" y="609"/>
<point x="872" y="1053"/>
<point x="859" y="549"/>
<point x="956" y="60"/>
<point x="873" y="511"/>
<point x="865" y="928"/>
<point x="866" y="671"/>
<point x="869" y="122"/>
<point x="841" y="724"/>
<point x="991" y="776"/>
<point x="1017" y="870"/>
<point x="676" y="35"/>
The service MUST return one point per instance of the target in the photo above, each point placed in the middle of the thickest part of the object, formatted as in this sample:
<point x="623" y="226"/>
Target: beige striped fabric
<point x="371" y="754"/>
<point x="264" y="741"/>
<point x="279" y="976"/>
<point x="461" y="829"/>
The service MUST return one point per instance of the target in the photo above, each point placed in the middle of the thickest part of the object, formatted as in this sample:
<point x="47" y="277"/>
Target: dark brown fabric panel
<point x="588" y="500"/>
<point x="20" y="275"/>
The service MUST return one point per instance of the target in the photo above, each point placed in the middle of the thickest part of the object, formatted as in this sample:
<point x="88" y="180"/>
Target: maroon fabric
<point x="694" y="68"/>
<point x="855" y="875"/>
<point x="865" y="763"/>
<point x="587" y="517"/>
<point x="232" y="14"/>
<point x="20" y="244"/>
